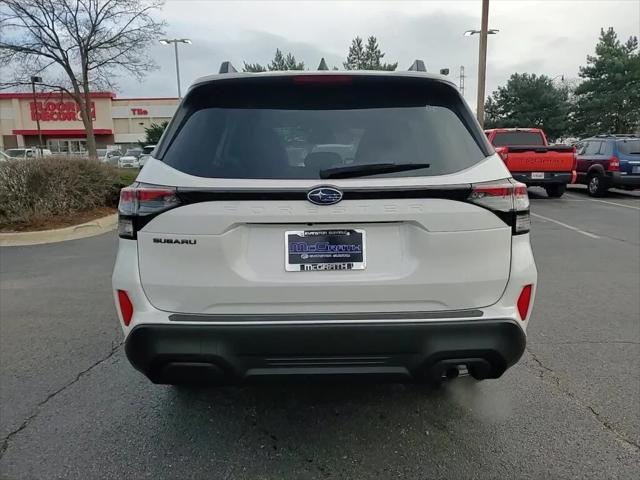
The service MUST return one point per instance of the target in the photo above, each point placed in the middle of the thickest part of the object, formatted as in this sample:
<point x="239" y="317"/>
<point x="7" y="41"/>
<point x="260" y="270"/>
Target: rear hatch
<point x="265" y="219"/>
<point x="629" y="156"/>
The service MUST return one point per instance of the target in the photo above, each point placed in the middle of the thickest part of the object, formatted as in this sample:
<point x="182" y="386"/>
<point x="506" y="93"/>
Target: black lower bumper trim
<point x="631" y="181"/>
<point x="178" y="353"/>
<point x="550" y="178"/>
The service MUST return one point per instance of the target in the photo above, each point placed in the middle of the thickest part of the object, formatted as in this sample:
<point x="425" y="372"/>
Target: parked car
<point x="412" y="262"/>
<point x="146" y="154"/>
<point x="609" y="161"/>
<point x="24" y="153"/>
<point x="130" y="159"/>
<point x="532" y="161"/>
<point x="109" y="156"/>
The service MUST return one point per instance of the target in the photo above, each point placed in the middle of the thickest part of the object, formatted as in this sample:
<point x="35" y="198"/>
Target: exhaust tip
<point x="452" y="373"/>
<point x="478" y="368"/>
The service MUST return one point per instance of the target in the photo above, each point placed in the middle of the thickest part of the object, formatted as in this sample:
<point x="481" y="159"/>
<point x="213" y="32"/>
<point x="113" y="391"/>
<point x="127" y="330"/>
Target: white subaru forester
<point x="323" y="224"/>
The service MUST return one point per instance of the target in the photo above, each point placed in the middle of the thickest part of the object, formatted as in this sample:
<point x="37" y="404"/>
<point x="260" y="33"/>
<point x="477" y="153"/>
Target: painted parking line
<point x="603" y="201"/>
<point x="575" y="229"/>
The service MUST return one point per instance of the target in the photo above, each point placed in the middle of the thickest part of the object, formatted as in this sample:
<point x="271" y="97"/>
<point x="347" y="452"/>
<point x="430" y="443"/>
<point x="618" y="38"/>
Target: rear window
<point x="507" y="139"/>
<point x="278" y="129"/>
<point x="16" y="152"/>
<point x="629" y="147"/>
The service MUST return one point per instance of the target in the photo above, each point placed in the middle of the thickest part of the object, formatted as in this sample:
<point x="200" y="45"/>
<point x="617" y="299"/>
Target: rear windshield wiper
<point x="369" y="169"/>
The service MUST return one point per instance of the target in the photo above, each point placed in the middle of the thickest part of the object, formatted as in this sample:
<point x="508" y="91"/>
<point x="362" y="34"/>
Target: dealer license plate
<point x="312" y="250"/>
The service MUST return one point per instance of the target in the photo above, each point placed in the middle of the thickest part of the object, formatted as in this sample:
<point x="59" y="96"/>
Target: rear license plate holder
<point x="324" y="250"/>
<point x="537" y="176"/>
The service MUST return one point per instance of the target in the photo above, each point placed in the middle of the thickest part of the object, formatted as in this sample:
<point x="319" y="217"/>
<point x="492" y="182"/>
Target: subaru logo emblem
<point x="324" y="196"/>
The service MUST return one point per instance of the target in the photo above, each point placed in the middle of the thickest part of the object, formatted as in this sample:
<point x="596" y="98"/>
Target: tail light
<point x="524" y="300"/>
<point x="140" y="203"/>
<point x="504" y="153"/>
<point x="126" y="307"/>
<point x="508" y="199"/>
<point x="614" y="164"/>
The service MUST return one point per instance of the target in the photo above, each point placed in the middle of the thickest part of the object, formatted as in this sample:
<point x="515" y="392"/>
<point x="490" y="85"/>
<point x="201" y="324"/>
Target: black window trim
<point x="464" y="113"/>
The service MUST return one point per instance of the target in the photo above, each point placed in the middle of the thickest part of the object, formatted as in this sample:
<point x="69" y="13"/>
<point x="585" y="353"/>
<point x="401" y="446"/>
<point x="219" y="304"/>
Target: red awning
<point x="64" y="133"/>
<point x="50" y="95"/>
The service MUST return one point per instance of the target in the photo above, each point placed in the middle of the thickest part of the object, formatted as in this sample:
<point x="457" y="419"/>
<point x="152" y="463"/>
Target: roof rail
<point x="323" y="65"/>
<point x="418" y="66"/>
<point x="227" y="67"/>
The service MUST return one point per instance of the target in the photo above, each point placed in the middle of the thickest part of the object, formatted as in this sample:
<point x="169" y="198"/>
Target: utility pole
<point x="462" y="77"/>
<point x="482" y="62"/>
<point x="175" y="44"/>
<point x="35" y="80"/>
<point x="176" y="41"/>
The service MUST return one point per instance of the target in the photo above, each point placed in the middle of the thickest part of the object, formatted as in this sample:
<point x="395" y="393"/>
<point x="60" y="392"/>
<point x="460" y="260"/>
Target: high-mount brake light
<point x="508" y="199"/>
<point x="323" y="79"/>
<point x="141" y="201"/>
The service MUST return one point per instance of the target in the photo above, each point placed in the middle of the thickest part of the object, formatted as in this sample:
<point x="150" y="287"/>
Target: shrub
<point x="54" y="186"/>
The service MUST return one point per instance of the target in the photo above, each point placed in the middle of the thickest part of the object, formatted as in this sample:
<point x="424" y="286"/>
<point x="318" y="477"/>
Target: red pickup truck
<point x="531" y="160"/>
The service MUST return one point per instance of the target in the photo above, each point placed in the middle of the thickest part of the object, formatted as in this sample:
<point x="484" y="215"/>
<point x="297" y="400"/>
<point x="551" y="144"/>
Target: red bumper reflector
<point x="126" y="307"/>
<point x="524" y="300"/>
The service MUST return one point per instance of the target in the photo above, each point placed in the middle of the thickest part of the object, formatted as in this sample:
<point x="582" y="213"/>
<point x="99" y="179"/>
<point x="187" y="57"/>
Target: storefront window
<point x="67" y="146"/>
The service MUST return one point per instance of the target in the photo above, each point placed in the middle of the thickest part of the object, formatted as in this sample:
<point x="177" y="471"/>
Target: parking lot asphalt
<point x="72" y="407"/>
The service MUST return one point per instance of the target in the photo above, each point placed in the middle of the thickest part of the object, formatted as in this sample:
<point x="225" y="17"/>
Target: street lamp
<point x="491" y="31"/>
<point x="482" y="62"/>
<point x="176" y="41"/>
<point x="35" y="80"/>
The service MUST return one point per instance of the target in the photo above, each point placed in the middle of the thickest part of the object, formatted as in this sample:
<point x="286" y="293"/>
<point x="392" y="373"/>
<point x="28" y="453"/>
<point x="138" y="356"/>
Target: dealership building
<point x="116" y="121"/>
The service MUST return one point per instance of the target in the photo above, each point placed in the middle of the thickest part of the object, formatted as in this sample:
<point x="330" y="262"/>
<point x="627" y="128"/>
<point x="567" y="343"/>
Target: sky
<point x="551" y="37"/>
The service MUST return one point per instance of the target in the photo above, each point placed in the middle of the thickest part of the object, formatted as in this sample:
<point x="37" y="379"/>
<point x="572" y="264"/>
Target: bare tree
<point x="77" y="45"/>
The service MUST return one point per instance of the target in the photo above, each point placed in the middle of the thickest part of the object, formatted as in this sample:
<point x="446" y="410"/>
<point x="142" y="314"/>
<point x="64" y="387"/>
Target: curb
<point x="84" y="230"/>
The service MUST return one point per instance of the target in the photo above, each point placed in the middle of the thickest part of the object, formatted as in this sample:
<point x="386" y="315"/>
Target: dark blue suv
<point x="607" y="161"/>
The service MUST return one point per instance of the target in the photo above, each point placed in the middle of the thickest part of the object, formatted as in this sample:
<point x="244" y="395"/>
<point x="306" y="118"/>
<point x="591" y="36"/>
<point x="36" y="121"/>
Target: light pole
<point x="35" y="80"/>
<point x="176" y="41"/>
<point x="482" y="60"/>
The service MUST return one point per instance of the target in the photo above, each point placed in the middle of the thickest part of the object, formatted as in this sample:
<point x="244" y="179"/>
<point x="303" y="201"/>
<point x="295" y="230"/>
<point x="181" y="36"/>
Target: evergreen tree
<point x="282" y="62"/>
<point x="608" y="99"/>
<point x="529" y="100"/>
<point x="366" y="57"/>
<point x="253" y="67"/>
<point x="356" y="56"/>
<point x="373" y="56"/>
<point x="279" y="62"/>
<point x="153" y="132"/>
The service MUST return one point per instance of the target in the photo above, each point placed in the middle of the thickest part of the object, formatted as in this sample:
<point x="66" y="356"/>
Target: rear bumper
<point x="550" y="178"/>
<point x="393" y="351"/>
<point x="617" y="179"/>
